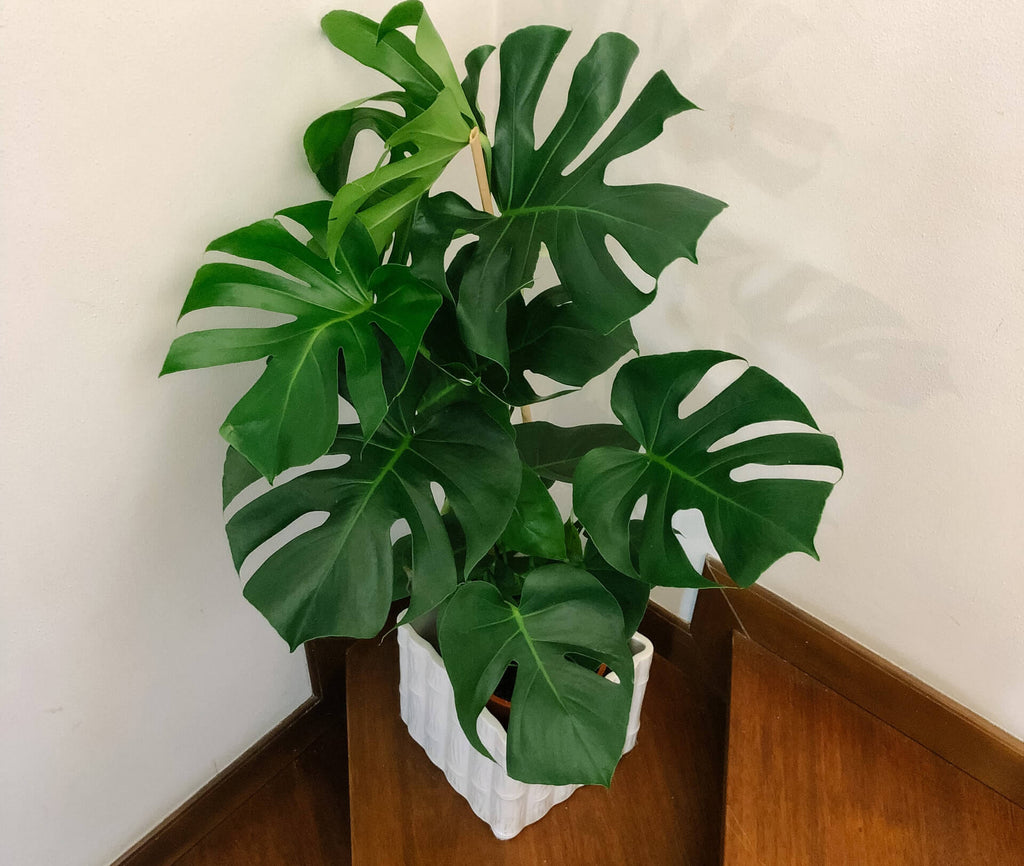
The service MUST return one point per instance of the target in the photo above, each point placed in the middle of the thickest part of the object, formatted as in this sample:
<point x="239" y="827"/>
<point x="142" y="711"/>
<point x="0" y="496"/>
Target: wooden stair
<point x="809" y="778"/>
<point x="813" y="778"/>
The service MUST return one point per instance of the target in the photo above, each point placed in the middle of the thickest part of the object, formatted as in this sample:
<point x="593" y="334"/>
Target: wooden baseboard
<point x="216" y="800"/>
<point x="230" y="788"/>
<point x="940" y="724"/>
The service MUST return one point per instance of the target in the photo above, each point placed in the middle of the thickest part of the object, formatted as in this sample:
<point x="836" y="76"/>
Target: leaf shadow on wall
<point x="836" y="344"/>
<point x="735" y="59"/>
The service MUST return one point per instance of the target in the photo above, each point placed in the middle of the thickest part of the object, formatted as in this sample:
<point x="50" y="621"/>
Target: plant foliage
<point x="433" y="493"/>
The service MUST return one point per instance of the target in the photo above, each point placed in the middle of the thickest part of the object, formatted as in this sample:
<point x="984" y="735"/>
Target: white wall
<point x="132" y="670"/>
<point x="871" y="258"/>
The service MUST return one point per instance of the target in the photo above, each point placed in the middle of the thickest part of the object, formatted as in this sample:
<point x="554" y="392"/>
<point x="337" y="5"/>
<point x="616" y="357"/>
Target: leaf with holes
<point x="434" y="126"/>
<point x="573" y="211"/>
<point x="290" y="416"/>
<point x="568" y="724"/>
<point x="751" y="523"/>
<point x="337" y="579"/>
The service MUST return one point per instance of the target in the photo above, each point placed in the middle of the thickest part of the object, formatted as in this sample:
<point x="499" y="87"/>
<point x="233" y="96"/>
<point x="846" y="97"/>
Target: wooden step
<point x="814" y="779"/>
<point x="663" y="806"/>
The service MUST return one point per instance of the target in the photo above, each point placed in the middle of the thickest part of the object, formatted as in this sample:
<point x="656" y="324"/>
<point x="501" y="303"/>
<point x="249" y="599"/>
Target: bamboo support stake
<point x="488" y="205"/>
<point x="481" y="170"/>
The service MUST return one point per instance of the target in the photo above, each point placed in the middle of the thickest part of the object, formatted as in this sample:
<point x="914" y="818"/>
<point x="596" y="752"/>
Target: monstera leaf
<point x="554" y="340"/>
<point x="553" y="452"/>
<point x="337" y="579"/>
<point x="290" y="416"/>
<point x="573" y="211"/>
<point x="568" y="724"/>
<point x="631" y="594"/>
<point x="535" y="527"/>
<point x="752" y="523"/>
<point x="435" y="124"/>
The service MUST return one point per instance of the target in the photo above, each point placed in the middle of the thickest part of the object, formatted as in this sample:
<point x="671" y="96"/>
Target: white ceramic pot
<point x="428" y="710"/>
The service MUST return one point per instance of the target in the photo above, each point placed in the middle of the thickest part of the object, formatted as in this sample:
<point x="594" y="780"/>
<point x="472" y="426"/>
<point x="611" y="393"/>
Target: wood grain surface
<point x="663" y="807"/>
<point x="298" y="818"/>
<point x="921" y="712"/>
<point x="814" y="780"/>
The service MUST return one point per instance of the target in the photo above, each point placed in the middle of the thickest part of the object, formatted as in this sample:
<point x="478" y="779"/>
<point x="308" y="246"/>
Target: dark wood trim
<point x="940" y="724"/>
<point x="325" y="658"/>
<point x="216" y="800"/>
<point x="230" y="788"/>
<point x="669" y="634"/>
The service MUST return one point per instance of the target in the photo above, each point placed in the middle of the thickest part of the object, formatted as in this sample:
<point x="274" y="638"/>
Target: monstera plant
<point x="420" y="313"/>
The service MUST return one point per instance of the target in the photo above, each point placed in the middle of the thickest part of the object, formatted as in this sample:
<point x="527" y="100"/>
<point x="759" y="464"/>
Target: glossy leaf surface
<point x="535" y="527"/>
<point x="554" y="339"/>
<point x="437" y="119"/>
<point x="337" y="579"/>
<point x="571" y="211"/>
<point x="553" y="452"/>
<point x="752" y="523"/>
<point x="290" y="415"/>
<point x="568" y="724"/>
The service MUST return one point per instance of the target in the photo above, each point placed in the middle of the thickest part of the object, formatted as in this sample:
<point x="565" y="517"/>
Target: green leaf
<point x="568" y="724"/>
<point x="429" y="45"/>
<point x="554" y="339"/>
<point x="330" y="139"/>
<point x="553" y="452"/>
<point x="751" y="523"/>
<point x="338" y="578"/>
<point x="475" y="61"/>
<point x="290" y="416"/>
<point x="437" y="122"/>
<point x="573" y="543"/>
<point x="631" y="594"/>
<point x="437" y="221"/>
<point x="238" y="474"/>
<point x="572" y="212"/>
<point x="535" y="527"/>
<point x="391" y="54"/>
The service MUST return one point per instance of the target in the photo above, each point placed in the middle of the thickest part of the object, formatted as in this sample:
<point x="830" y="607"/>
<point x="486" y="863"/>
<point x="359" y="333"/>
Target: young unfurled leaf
<point x="434" y="125"/>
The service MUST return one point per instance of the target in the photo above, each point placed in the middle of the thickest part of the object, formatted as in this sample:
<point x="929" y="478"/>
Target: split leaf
<point x="568" y="724"/>
<point x="751" y="523"/>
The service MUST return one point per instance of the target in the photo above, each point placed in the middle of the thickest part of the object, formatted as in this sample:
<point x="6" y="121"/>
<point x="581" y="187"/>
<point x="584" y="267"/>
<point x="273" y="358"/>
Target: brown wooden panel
<point x="814" y="779"/>
<point x="936" y="721"/>
<point x="663" y="807"/>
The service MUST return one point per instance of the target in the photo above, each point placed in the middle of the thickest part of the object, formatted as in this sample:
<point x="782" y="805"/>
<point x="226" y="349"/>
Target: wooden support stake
<point x="481" y="170"/>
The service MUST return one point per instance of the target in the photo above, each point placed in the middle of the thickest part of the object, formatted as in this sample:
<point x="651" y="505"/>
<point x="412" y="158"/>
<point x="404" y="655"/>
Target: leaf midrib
<point x="685" y="476"/>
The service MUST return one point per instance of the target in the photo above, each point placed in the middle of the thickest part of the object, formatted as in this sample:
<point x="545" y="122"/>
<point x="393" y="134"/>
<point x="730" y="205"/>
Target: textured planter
<point x="428" y="710"/>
